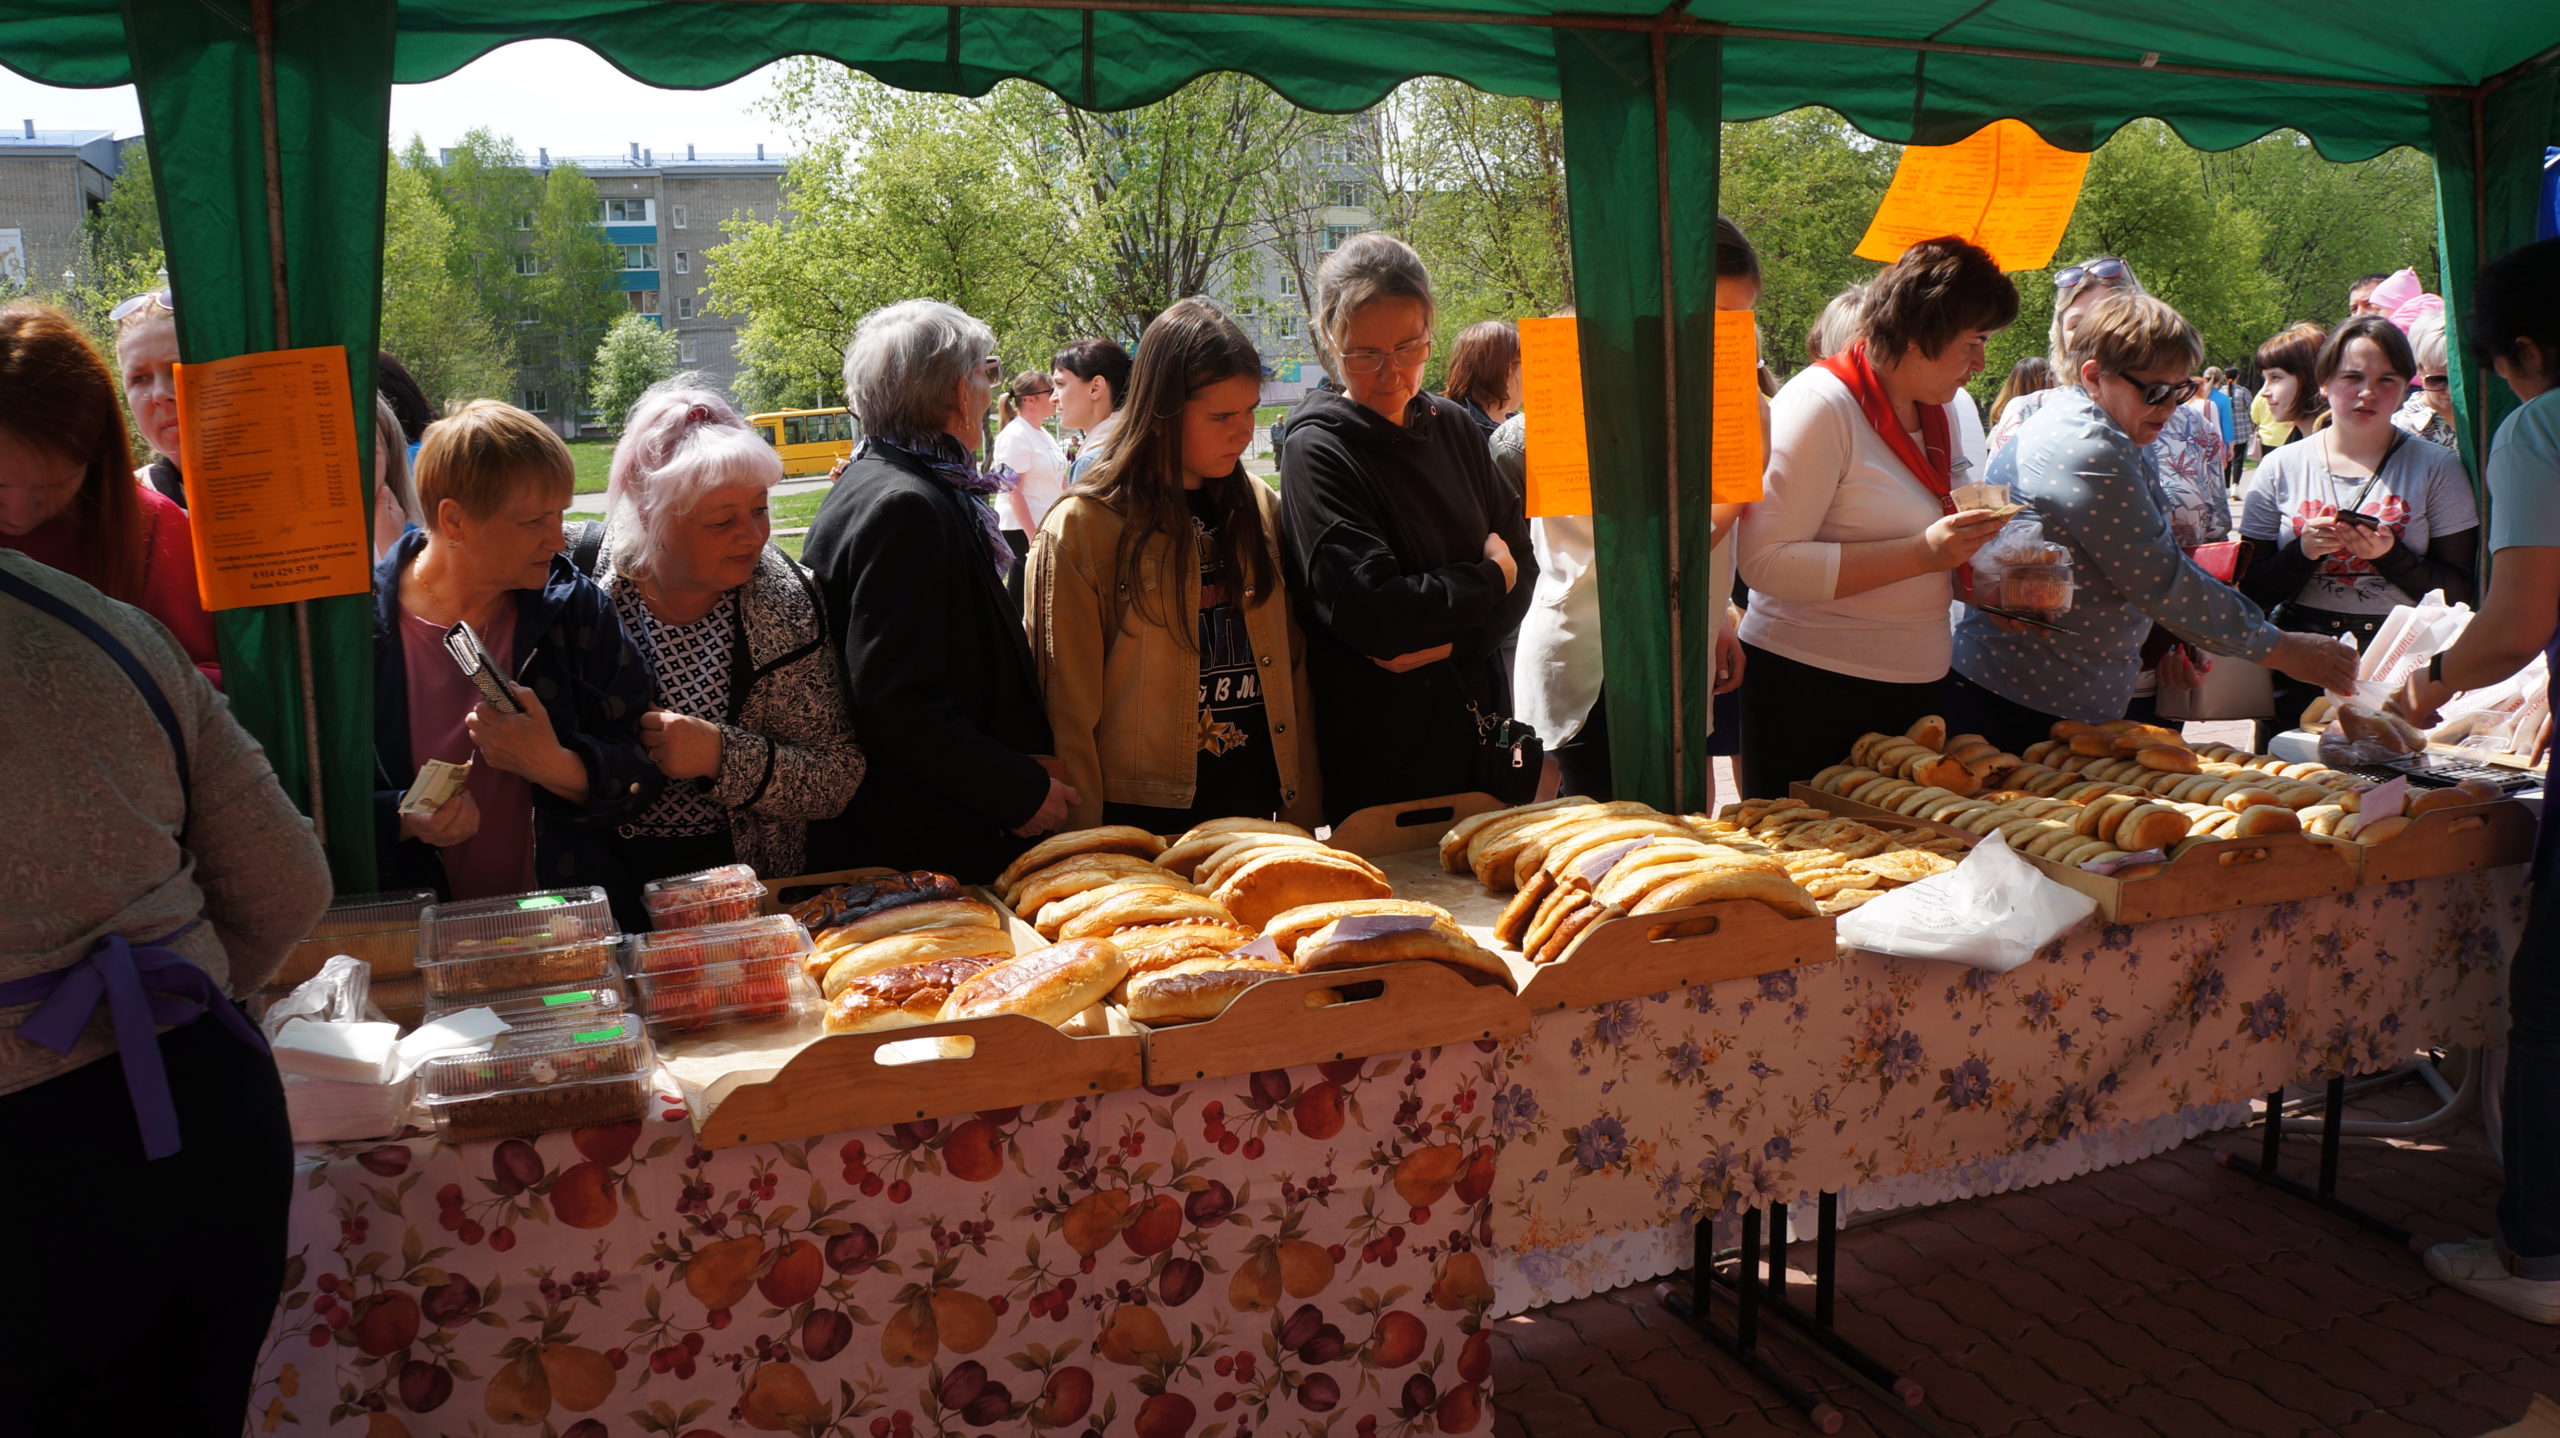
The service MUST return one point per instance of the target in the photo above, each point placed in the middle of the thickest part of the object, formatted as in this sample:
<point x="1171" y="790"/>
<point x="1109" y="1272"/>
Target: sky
<point x="544" y="93"/>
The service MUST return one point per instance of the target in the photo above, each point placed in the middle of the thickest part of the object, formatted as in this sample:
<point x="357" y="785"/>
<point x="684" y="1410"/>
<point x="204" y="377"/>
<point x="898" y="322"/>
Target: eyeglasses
<point x="2434" y="382"/>
<point x="138" y="303"/>
<point x="2176" y="391"/>
<point x="992" y="367"/>
<point x="1031" y="393"/>
<point x="2105" y="267"/>
<point x="1404" y="356"/>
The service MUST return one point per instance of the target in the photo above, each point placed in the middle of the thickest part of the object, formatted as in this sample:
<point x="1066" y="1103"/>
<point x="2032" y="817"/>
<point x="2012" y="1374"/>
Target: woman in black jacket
<point x="1400" y="542"/>
<point x="907" y="552"/>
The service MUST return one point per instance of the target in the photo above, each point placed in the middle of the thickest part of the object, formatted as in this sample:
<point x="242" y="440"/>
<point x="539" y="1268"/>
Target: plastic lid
<point x="514" y="922"/>
<point x="767" y="936"/>
<point x="584" y="1006"/>
<point x="740" y="991"/>
<point x="533" y="1060"/>
<point x="701" y="884"/>
<point x="367" y="913"/>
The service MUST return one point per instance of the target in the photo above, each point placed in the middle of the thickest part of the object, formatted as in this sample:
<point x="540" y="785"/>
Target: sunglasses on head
<point x="139" y="303"/>
<point x="2176" y="391"/>
<point x="992" y="367"/>
<point x="2105" y="267"/>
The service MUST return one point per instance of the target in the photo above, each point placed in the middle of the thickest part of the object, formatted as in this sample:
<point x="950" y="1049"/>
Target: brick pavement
<point x="2169" y="1297"/>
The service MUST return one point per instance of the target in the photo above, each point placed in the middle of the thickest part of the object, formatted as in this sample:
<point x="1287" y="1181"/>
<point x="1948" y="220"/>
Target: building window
<point x="536" y="401"/>
<point x="639" y="257"/>
<point x="527" y="264"/>
<point x="643" y="302"/>
<point x="684" y="263"/>
<point x="1347" y="194"/>
<point x="686" y="352"/>
<point x="1333" y="150"/>
<point x="684" y="307"/>
<point x="1288" y="282"/>
<point x="1285" y="326"/>
<point x="1334" y="235"/>
<point x="627" y="212"/>
<point x="524" y="219"/>
<point x="677" y="219"/>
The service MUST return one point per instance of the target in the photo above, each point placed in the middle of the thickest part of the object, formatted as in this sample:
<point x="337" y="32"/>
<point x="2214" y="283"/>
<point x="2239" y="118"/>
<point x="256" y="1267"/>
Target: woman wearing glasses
<point x="2428" y="412"/>
<point x="2084" y="465"/>
<point x="1400" y="545"/>
<point x="941" y="688"/>
<point x="1023" y="445"/>
<point x="2362" y="517"/>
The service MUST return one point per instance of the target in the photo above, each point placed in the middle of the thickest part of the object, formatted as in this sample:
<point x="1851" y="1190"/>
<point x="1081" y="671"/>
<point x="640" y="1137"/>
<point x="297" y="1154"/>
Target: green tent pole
<point x="268" y="149"/>
<point x="2488" y="157"/>
<point x="1644" y="247"/>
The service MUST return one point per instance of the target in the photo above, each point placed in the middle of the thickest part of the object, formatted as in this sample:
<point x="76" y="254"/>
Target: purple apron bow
<point x="144" y="987"/>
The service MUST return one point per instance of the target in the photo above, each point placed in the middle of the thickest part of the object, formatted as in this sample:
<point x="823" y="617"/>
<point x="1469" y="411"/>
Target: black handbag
<point x="1509" y="757"/>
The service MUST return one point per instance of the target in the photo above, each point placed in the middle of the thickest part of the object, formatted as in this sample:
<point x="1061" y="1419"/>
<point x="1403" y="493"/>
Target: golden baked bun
<point x="900" y="997"/>
<point x="1053" y="918"/>
<point x="1159" y="946"/>
<point x="1268" y="884"/>
<point x="1364" y="939"/>
<point x="1052" y="985"/>
<point x="844" y="966"/>
<point x="1453" y="844"/>
<point x="1142" y="907"/>
<point x="1043" y="887"/>
<point x="1287" y="927"/>
<point x="1195" y="989"/>
<point x="1229" y="856"/>
<point x="1710" y="885"/>
<point x="960" y="913"/>
<point x="1184" y="854"/>
<point x="1108" y="839"/>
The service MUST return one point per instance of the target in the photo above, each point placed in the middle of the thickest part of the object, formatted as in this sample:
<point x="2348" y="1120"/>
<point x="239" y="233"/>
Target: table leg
<point x="2324" y="1194"/>
<point x="1742" y="1341"/>
<point x="1826" y="1341"/>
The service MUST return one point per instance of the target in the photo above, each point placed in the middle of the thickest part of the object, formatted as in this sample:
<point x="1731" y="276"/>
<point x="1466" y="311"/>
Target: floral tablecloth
<point x="1298" y="1251"/>
<point x="1617" y="1126"/>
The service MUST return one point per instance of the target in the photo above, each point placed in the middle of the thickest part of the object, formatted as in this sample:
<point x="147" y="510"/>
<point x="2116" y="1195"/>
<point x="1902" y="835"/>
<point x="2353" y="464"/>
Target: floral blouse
<point x="2190" y="457"/>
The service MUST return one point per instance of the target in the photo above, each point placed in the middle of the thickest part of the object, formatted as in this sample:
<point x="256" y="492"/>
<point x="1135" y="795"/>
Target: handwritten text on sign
<point x="1551" y="392"/>
<point x="275" y="495"/>
<point x="1740" y="435"/>
<point x="2002" y="187"/>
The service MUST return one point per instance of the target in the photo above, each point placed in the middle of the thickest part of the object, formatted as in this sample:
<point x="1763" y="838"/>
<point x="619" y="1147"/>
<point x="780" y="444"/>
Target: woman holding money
<point x="550" y="724"/>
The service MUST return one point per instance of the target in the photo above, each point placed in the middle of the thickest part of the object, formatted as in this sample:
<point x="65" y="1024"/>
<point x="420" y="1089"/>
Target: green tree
<point x="431" y="319"/>
<point x="491" y="197"/>
<point x="574" y="295"/>
<point x="1802" y="186"/>
<point x="1476" y="185"/>
<point x="635" y="354"/>
<point x="2326" y="223"/>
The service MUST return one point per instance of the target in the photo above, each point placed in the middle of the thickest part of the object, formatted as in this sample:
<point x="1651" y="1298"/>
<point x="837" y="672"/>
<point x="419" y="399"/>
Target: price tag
<point x="1372" y="926"/>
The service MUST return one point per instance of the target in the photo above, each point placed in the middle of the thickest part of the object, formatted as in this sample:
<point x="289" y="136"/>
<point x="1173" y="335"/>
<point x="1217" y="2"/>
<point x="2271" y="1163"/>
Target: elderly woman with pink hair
<point x="749" y="719"/>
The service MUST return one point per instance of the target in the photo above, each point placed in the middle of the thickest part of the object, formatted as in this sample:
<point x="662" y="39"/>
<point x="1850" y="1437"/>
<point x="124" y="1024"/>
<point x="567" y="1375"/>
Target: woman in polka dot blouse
<point x="2082" y="466"/>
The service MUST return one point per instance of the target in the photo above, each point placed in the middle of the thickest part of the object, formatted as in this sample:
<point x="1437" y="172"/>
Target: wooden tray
<point x="2445" y="841"/>
<point x="2207" y="878"/>
<point x="1383" y="829"/>
<point x="842" y="1082"/>
<point x="1386" y="1008"/>
<point x="1623" y="958"/>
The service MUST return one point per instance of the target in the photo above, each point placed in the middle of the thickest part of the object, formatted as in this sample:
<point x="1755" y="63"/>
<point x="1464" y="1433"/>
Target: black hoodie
<point x="1383" y="528"/>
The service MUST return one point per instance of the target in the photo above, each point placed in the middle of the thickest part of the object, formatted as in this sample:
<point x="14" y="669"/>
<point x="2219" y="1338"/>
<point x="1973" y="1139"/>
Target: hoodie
<point x="1382" y="532"/>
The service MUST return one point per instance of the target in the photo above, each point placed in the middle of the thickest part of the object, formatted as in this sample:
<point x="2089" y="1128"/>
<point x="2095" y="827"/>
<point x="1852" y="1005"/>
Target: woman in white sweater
<point x="1848" y="551"/>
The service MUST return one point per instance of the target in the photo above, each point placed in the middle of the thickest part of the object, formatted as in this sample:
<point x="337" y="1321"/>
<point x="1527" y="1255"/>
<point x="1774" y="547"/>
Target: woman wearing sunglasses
<point x="2360" y="518"/>
<point x="1039" y="467"/>
<point x="2428" y="411"/>
<point x="2084" y="465"/>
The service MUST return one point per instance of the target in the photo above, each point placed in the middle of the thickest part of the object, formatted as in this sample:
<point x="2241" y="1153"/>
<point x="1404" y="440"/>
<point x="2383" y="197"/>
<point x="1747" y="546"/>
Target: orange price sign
<point x="1551" y="392"/>
<point x="2002" y="187"/>
<point x="1739" y="436"/>
<point x="275" y="495"/>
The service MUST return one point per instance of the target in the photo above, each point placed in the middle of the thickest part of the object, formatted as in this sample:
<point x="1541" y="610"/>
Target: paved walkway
<point x="2169" y="1297"/>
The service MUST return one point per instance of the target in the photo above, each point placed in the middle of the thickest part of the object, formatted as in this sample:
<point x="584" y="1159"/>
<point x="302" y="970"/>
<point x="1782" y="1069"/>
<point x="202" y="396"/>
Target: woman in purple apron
<point x="149" y="866"/>
<point x="2513" y="324"/>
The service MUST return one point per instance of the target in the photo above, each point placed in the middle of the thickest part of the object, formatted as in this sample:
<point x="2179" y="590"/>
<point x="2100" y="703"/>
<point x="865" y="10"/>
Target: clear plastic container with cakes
<point x="487" y="947"/>
<point x="582" y="1006"/>
<point x="381" y="929"/>
<point x="539" y="1080"/>
<point x="710" y="896"/>
<point x="749" y="971"/>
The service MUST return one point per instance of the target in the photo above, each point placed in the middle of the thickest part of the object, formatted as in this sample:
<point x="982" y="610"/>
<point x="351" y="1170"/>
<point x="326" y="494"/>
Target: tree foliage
<point x="1475" y="183"/>
<point x="431" y="319"/>
<point x="635" y="354"/>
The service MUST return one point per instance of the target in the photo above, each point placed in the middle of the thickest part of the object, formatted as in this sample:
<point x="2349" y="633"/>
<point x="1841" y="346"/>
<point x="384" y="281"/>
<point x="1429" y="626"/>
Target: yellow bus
<point x="810" y="441"/>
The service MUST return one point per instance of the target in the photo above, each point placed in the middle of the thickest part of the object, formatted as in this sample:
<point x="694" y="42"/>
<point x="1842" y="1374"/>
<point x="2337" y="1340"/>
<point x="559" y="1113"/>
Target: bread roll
<point x="899" y="997"/>
<point x="1194" y="990"/>
<point x="1453" y="844"/>
<point x="1141" y="907"/>
<point x="1929" y="732"/>
<point x="1287" y="927"/>
<point x="2167" y="759"/>
<point x="1712" y="885"/>
<point x="1341" y="944"/>
<point x="1157" y="946"/>
<point x="2149" y="826"/>
<point x="960" y="913"/>
<point x="2434" y="799"/>
<point x="1558" y="852"/>
<point x="1085" y="873"/>
<point x="1268" y="884"/>
<point x="1184" y="854"/>
<point x="2266" y="819"/>
<point x="844" y="966"/>
<point x="1499" y="843"/>
<point x="1052" y="985"/>
<point x="1108" y="839"/>
<point x="1560" y="939"/>
<point x="1513" y="923"/>
<point x="1214" y="869"/>
<point x="2383" y="831"/>
<point x="1053" y="918"/>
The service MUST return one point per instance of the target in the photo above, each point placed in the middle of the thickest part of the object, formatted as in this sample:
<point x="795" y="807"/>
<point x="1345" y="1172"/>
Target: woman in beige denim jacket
<point x="1174" y="674"/>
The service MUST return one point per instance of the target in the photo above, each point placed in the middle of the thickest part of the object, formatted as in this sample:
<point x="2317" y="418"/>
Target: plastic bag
<point x="1993" y="911"/>
<point x="341" y="993"/>
<point x="2360" y="736"/>
<point x="2024" y="573"/>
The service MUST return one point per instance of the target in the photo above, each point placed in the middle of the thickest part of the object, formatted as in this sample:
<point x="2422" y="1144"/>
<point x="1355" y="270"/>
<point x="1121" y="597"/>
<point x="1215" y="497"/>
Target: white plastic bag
<point x="1993" y="911"/>
<point x="341" y="993"/>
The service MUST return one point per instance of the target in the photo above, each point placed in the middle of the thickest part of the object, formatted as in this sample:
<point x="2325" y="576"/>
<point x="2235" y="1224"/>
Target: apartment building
<point x="50" y="181"/>
<point x="1341" y="192"/>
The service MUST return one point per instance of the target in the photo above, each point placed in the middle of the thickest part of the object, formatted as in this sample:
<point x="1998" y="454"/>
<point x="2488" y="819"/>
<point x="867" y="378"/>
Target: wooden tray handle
<point x="1413" y="824"/>
<point x="2233" y="858"/>
<point x="1388" y="1008"/>
<point x="846" y="1081"/>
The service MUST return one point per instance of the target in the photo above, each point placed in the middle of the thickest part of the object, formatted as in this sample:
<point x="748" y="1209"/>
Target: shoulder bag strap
<point x="587" y="546"/>
<point x="153" y="696"/>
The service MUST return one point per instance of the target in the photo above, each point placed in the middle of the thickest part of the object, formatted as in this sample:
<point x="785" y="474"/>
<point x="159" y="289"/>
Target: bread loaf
<point x="1184" y="854"/>
<point x="899" y="997"/>
<point x="1194" y="990"/>
<point x="1108" y="839"/>
<point x="1052" y="984"/>
<point x="1052" y="919"/>
<point x="1453" y="844"/>
<point x="1360" y="940"/>
<point x="1140" y="907"/>
<point x="1711" y="885"/>
<point x="1085" y="871"/>
<point x="1157" y="946"/>
<point x="844" y="966"/>
<point x="1267" y="884"/>
<point x="1231" y="856"/>
<point x="960" y="913"/>
<point x="1286" y="928"/>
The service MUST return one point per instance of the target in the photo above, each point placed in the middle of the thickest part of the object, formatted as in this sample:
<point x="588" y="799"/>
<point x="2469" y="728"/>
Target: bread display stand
<point x="1385" y="1008"/>
<point x="2446" y="841"/>
<point x="2200" y="878"/>
<point x="1616" y="959"/>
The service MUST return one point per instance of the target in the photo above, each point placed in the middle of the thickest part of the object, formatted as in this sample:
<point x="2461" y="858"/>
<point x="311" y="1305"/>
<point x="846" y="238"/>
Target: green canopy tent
<point x="269" y="123"/>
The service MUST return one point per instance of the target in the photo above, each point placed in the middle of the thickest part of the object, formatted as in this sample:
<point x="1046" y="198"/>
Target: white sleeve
<point x="1810" y="443"/>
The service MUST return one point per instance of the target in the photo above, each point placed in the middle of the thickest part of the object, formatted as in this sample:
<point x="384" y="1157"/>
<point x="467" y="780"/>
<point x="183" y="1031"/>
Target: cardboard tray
<point x="1385" y="1008"/>
<point x="1618" y="959"/>
<point x="2205" y="878"/>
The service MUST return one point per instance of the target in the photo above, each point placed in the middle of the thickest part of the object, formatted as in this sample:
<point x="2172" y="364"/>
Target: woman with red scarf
<point x="1850" y="550"/>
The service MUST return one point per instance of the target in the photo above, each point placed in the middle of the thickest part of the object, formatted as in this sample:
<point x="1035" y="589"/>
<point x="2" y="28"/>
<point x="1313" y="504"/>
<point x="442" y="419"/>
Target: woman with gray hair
<point x="907" y="552"/>
<point x="2428" y="411"/>
<point x="1399" y="543"/>
<point x="748" y="720"/>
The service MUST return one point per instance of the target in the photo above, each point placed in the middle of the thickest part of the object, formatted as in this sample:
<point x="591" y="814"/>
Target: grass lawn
<point x="593" y="458"/>
<point x="794" y="511"/>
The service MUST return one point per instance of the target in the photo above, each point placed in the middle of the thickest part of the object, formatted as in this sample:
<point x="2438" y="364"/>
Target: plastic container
<point x="381" y="929"/>
<point x="769" y="936"/>
<point x="742" y="991"/>
<point x="2042" y="591"/>
<point x="581" y="1006"/>
<point x="711" y="896"/>
<point x="540" y="1080"/>
<point x="487" y="947"/>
